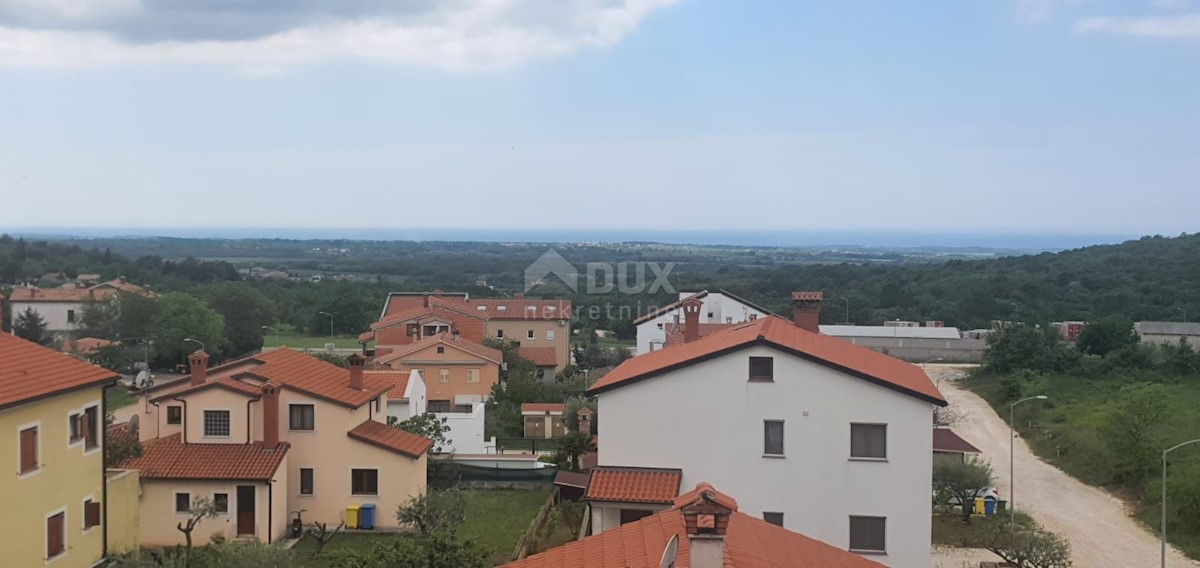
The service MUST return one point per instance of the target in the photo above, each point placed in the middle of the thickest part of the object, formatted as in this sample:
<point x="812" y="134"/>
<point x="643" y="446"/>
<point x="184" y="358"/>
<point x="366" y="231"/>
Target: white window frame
<point x="228" y="502"/>
<point x="21" y="428"/>
<point x="204" y="423"/>
<point x="444" y="375"/>
<point x="550" y="335"/>
<point x="472" y="375"/>
<point x="46" y="537"/>
<point x="531" y="334"/>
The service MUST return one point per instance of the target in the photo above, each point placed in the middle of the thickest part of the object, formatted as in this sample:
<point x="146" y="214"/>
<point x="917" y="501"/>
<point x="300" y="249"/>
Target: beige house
<point x="531" y="323"/>
<point x="456" y="371"/>
<point x="544" y="420"/>
<point x="277" y="432"/>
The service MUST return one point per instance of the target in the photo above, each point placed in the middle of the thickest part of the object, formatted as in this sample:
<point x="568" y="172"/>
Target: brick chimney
<point x="585" y="420"/>
<point x="806" y="310"/>
<point x="706" y="521"/>
<point x="691" y="319"/>
<point x="270" y="400"/>
<point x="356" y="362"/>
<point x="199" y="366"/>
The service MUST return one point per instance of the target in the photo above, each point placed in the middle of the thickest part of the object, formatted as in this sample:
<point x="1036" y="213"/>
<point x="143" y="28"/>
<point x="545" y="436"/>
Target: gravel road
<point x="1097" y="524"/>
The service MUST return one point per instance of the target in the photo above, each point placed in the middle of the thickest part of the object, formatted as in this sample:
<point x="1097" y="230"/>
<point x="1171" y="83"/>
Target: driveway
<point x="1097" y="524"/>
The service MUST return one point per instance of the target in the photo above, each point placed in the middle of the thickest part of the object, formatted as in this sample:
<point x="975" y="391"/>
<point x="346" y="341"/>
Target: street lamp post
<point x="196" y="341"/>
<point x="330" y="322"/>
<point x="847" y="300"/>
<point x="1012" y="436"/>
<point x="1164" y="496"/>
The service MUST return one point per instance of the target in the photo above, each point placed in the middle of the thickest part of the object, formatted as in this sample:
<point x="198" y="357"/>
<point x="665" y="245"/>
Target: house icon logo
<point x="551" y="264"/>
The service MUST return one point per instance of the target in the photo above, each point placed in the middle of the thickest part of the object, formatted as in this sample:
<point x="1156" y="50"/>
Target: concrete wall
<point x="716" y="308"/>
<point x="68" y="474"/>
<point x="1149" y="338"/>
<point x="124" y="493"/>
<point x="518" y="330"/>
<point x="466" y="430"/>
<point x="55" y="313"/>
<point x="919" y="350"/>
<point x="708" y="420"/>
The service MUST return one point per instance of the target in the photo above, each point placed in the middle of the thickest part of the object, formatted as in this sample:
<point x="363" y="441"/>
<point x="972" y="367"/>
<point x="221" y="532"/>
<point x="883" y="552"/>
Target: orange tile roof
<point x="170" y="458"/>
<point x="634" y="484"/>
<point x="675" y="332"/>
<point x="301" y="371"/>
<point x="749" y="543"/>
<point x="30" y="372"/>
<point x="540" y="356"/>
<point x="543" y="407"/>
<point x="519" y="309"/>
<point x="398" y="380"/>
<point x="227" y="383"/>
<point x="391" y="438"/>
<point x="68" y="293"/>
<point x="421" y="313"/>
<point x="781" y="334"/>
<point x="456" y="342"/>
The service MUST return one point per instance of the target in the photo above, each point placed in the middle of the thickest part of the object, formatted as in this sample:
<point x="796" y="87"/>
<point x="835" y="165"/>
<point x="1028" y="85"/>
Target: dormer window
<point x="551" y="308"/>
<point x="501" y="308"/>
<point x="762" y="369"/>
<point x="481" y="308"/>
<point x="531" y="308"/>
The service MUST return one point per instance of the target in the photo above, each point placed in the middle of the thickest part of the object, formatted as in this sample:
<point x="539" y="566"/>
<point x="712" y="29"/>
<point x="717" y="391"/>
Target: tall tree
<point x="183" y="316"/>
<point x="245" y="310"/>
<point x="1106" y="335"/>
<point x="962" y="482"/>
<point x="30" y="326"/>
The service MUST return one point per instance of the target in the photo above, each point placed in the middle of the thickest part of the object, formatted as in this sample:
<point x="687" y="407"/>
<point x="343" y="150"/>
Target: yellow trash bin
<point x="352" y="517"/>
<point x="980" y="507"/>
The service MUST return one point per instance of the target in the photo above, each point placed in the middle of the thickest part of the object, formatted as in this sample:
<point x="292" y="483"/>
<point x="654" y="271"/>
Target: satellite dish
<point x="133" y="425"/>
<point x="672" y="550"/>
<point x="142" y="380"/>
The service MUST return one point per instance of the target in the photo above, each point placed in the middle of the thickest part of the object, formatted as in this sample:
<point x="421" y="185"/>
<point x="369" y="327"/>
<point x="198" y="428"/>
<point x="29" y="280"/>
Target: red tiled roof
<point x="398" y="380"/>
<point x="226" y="383"/>
<point x="749" y="543"/>
<point x="781" y="334"/>
<point x="170" y="458"/>
<point x="366" y="336"/>
<point x="808" y="296"/>
<point x="119" y="433"/>
<point x="520" y="309"/>
<point x="391" y="438"/>
<point x="86" y="345"/>
<point x="675" y="332"/>
<point x="437" y="310"/>
<point x="634" y="484"/>
<point x="449" y="340"/>
<point x="29" y="372"/>
<point x="303" y="372"/>
<point x="543" y="407"/>
<point x="540" y="356"/>
<point x="945" y="440"/>
<point x="75" y="293"/>
<point x="400" y="301"/>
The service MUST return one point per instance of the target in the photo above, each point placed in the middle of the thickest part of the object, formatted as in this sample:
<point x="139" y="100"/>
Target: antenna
<point x="669" y="554"/>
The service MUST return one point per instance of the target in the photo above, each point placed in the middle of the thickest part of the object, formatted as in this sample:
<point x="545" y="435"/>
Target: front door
<point x="245" y="509"/>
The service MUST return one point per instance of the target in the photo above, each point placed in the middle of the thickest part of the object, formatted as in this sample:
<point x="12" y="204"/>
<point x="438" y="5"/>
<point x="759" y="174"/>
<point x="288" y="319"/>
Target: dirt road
<point x="1098" y="525"/>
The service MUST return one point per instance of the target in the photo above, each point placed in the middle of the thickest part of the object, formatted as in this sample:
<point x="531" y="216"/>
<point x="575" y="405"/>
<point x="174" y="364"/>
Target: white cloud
<point x="1178" y="26"/>
<point x="451" y="34"/>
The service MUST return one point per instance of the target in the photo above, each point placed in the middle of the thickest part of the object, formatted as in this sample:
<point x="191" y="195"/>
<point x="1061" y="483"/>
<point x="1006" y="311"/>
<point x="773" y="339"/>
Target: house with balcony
<point x="455" y="370"/>
<point x="275" y="432"/>
<point x="813" y="433"/>
<point x="52" y="446"/>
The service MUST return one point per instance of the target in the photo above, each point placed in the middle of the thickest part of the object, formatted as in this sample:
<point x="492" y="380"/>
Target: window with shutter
<point x="868" y="534"/>
<point x="75" y="423"/>
<point x="91" y="514"/>
<point x="29" y="450"/>
<point x="56" y="535"/>
<point x="868" y="441"/>
<point x="91" y="428"/>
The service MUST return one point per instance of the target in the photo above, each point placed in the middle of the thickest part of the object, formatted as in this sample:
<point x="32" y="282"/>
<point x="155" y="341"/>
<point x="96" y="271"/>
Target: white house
<point x="408" y="399"/>
<point x="827" y="438"/>
<point x="719" y="307"/>
<point x="62" y="307"/>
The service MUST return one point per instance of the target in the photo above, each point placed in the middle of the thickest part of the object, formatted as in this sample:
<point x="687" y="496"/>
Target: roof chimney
<point x="585" y="420"/>
<point x="706" y="520"/>
<point x="356" y="362"/>
<point x="806" y="310"/>
<point x="519" y="295"/>
<point x="270" y="399"/>
<point x="691" y="319"/>
<point x="199" y="366"/>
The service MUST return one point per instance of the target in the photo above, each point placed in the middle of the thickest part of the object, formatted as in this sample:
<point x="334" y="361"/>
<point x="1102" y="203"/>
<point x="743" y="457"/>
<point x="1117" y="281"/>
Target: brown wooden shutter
<point x="29" y="449"/>
<point x="54" y="535"/>
<point x="91" y="427"/>
<point x="91" y="514"/>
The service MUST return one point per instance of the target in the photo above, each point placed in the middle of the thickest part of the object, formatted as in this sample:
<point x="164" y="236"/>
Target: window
<point x="549" y="335"/>
<point x="868" y="441"/>
<point x="56" y="535"/>
<point x="221" y="502"/>
<point x="306" y="481"/>
<point x="175" y="414"/>
<point x="472" y="375"/>
<point x="183" y="502"/>
<point x="868" y="534"/>
<point x="216" y="423"/>
<point x="773" y="437"/>
<point x="29" y="450"/>
<point x="91" y="427"/>
<point x="529" y="334"/>
<point x="75" y="424"/>
<point x="710" y="315"/>
<point x="531" y="308"/>
<point x="501" y="308"/>
<point x="70" y="316"/>
<point x="441" y="349"/>
<point x="500" y="333"/>
<point x="762" y="369"/>
<point x="301" y="416"/>
<point x="364" y="481"/>
<point x="444" y="375"/>
<point x="631" y="515"/>
<point x="91" y="514"/>
<point x="774" y="518"/>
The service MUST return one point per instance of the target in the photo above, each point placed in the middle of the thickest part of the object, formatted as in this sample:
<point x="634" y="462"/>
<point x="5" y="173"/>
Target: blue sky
<point x="1073" y="116"/>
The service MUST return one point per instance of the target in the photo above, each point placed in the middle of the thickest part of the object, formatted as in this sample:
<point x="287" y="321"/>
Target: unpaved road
<point x="1097" y="524"/>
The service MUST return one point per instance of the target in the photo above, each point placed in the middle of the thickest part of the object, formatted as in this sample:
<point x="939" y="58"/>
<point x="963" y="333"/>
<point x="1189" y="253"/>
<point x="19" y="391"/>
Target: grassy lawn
<point x="949" y="530"/>
<point x="496" y="518"/>
<point x="309" y="342"/>
<point x="118" y="396"/>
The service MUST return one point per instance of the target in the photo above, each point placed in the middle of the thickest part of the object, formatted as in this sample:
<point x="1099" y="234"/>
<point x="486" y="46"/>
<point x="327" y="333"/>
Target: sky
<point x="991" y="116"/>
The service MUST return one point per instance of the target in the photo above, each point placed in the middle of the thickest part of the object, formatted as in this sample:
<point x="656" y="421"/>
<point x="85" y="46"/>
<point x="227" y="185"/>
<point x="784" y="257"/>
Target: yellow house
<point x="260" y="437"/>
<point x="52" y="501"/>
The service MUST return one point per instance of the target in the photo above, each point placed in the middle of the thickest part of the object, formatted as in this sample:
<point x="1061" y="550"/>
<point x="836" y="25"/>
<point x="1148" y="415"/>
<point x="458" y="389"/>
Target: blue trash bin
<point x="989" y="507"/>
<point x="366" y="517"/>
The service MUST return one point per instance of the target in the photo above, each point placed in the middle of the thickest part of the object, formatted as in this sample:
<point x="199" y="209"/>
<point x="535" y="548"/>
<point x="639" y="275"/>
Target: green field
<point x="496" y="518"/>
<point x="118" y="396"/>
<point x="296" y="341"/>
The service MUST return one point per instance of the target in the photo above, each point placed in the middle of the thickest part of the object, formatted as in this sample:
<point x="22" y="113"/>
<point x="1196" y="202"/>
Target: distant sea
<point x="1018" y="241"/>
